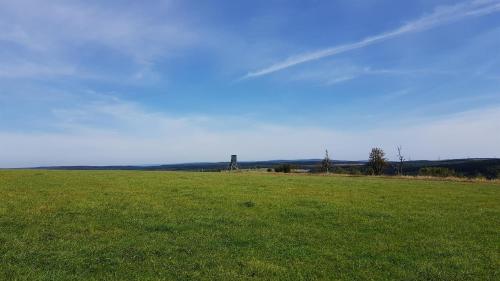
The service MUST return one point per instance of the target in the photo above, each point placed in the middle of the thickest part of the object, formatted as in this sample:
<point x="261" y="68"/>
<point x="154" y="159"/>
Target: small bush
<point x="492" y="172"/>
<point x="284" y="168"/>
<point x="436" y="172"/>
<point x="340" y="170"/>
<point x="270" y="170"/>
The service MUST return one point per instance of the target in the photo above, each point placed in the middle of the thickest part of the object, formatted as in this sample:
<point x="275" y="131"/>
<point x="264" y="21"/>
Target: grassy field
<point x="85" y="225"/>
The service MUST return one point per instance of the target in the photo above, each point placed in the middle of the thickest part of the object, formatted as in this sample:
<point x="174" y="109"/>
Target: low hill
<point x="488" y="167"/>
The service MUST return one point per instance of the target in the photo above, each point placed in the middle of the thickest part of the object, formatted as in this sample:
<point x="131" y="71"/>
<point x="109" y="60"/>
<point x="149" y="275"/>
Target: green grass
<point x="86" y="225"/>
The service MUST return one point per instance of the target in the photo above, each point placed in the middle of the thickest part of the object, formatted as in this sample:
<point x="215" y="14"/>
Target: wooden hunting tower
<point x="234" y="163"/>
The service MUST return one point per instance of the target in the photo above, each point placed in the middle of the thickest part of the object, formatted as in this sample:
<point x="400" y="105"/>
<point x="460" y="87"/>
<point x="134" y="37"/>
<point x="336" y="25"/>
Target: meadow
<point x="136" y="225"/>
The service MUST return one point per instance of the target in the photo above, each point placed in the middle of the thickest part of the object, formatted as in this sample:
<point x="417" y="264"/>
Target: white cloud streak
<point x="32" y="69"/>
<point x="333" y="74"/>
<point x="440" y="16"/>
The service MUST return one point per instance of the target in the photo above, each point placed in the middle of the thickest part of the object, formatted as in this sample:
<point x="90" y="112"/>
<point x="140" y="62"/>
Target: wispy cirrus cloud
<point x="80" y="38"/>
<point x="440" y="16"/>
<point x="56" y="26"/>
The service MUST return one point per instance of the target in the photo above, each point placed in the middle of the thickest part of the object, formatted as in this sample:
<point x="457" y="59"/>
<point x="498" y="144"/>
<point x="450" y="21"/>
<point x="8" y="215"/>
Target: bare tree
<point x="377" y="161"/>
<point x="401" y="159"/>
<point x="326" y="164"/>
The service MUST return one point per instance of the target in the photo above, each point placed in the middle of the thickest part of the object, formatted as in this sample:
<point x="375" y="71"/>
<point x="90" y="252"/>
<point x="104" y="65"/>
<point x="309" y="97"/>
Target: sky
<point x="154" y="82"/>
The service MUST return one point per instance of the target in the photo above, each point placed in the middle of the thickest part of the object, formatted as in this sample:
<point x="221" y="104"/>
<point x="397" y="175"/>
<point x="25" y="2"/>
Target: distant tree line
<point x="378" y="164"/>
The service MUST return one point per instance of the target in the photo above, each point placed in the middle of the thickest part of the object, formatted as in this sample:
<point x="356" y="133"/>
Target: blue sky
<point x="132" y="82"/>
